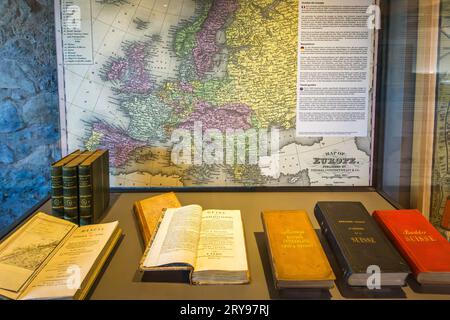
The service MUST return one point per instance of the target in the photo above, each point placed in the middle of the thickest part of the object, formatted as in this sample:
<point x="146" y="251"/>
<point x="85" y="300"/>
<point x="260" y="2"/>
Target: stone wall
<point x="29" y="119"/>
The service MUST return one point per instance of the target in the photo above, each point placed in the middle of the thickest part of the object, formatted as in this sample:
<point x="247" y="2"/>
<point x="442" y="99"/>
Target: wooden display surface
<point x="122" y="280"/>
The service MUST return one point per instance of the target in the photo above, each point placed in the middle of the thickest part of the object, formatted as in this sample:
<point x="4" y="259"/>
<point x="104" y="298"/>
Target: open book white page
<point x="22" y="254"/>
<point x="177" y="237"/>
<point x="65" y="272"/>
<point x="222" y="243"/>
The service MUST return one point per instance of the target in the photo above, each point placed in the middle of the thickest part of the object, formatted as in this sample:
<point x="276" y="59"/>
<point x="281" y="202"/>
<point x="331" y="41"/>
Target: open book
<point x="51" y="258"/>
<point x="208" y="243"/>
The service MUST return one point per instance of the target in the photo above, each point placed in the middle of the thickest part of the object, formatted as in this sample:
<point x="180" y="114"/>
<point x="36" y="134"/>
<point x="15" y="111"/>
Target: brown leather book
<point x="297" y="257"/>
<point x="148" y="212"/>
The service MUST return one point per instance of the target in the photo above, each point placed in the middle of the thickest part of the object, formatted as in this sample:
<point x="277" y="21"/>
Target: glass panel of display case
<point x="398" y="48"/>
<point x="440" y="205"/>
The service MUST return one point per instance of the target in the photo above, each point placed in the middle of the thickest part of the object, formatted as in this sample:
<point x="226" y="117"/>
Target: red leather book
<point x="424" y="248"/>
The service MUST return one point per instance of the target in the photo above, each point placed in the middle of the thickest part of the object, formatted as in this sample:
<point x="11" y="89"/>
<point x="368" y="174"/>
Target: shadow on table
<point x="113" y="197"/>
<point x="425" y="288"/>
<point x="357" y="292"/>
<point x="172" y="276"/>
<point x="274" y="293"/>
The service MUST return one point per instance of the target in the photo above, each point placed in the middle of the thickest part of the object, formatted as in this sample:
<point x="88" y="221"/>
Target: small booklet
<point x="208" y="243"/>
<point x="297" y="257"/>
<point x="425" y="249"/>
<point x="51" y="258"/>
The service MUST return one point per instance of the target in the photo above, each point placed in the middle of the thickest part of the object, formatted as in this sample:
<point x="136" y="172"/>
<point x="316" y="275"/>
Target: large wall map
<point x="197" y="93"/>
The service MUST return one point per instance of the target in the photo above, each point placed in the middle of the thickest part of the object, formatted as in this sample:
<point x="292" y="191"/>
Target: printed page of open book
<point x="177" y="237"/>
<point x="65" y="272"/>
<point x="222" y="242"/>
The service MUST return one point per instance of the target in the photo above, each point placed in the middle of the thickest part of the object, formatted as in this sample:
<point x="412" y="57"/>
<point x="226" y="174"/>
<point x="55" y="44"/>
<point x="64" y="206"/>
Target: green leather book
<point x="70" y="187"/>
<point x="57" y="183"/>
<point x="91" y="191"/>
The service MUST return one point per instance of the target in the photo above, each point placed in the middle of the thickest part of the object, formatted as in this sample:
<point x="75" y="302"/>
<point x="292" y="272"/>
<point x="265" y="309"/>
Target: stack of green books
<point x="80" y="186"/>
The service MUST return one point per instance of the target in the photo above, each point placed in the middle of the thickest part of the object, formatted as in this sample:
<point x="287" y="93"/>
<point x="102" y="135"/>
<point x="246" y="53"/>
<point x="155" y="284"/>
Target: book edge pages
<point x="63" y="160"/>
<point x="248" y="280"/>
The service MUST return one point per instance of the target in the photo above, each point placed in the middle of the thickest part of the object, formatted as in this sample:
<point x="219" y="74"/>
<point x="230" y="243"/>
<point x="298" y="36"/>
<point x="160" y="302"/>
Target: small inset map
<point x="30" y="256"/>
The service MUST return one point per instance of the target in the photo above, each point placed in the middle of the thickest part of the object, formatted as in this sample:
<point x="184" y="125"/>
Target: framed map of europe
<point x="212" y="93"/>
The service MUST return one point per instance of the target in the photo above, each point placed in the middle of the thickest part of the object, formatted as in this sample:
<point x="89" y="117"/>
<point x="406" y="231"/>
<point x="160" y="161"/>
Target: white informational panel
<point x="204" y="93"/>
<point x="335" y="67"/>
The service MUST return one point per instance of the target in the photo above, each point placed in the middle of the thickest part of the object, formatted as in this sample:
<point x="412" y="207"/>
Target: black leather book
<point x="90" y="187"/>
<point x="358" y="243"/>
<point x="70" y="187"/>
<point x="57" y="183"/>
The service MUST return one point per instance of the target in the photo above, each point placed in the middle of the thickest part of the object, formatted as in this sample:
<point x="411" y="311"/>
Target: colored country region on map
<point x="228" y="117"/>
<point x="148" y="116"/>
<point x="185" y="39"/>
<point x="261" y="42"/>
<point x="207" y="47"/>
<point x="129" y="72"/>
<point x="117" y="141"/>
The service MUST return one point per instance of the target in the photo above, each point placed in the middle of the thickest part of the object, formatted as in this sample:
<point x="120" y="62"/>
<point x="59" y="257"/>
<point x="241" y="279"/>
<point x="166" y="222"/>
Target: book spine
<point x="85" y="189"/>
<point x="143" y="227"/>
<point x="57" y="191"/>
<point x="345" y="266"/>
<point x="70" y="193"/>
<point x="269" y="252"/>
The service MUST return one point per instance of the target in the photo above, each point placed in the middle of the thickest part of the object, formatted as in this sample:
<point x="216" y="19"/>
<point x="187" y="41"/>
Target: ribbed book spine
<point x="70" y="193"/>
<point x="85" y="189"/>
<point x="57" y="191"/>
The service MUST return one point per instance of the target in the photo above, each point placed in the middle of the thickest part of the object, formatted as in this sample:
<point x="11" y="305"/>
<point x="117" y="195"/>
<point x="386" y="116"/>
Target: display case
<point x="231" y="104"/>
